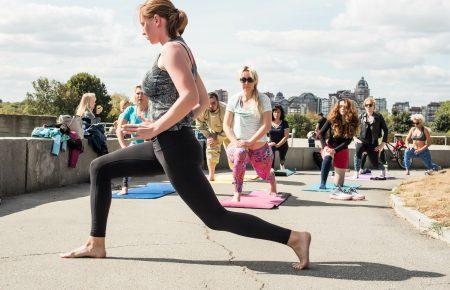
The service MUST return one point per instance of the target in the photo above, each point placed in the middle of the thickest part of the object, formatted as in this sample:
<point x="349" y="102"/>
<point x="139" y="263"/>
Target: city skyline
<point x="315" y="46"/>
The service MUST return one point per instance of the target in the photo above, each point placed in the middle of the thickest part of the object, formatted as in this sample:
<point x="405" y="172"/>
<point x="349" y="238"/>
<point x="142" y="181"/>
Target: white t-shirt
<point x="246" y="121"/>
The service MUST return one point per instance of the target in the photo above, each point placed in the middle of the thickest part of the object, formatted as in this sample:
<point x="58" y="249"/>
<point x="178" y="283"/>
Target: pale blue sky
<point x="401" y="47"/>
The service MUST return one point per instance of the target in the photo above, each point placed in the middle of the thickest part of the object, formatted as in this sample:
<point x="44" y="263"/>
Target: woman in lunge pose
<point x="341" y="126"/>
<point x="247" y="121"/>
<point x="177" y="96"/>
<point x="372" y="125"/>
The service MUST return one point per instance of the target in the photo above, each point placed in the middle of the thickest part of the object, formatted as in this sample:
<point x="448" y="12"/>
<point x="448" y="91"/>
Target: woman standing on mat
<point x="247" y="121"/>
<point x="177" y="96"/>
<point x="279" y="134"/>
<point x="341" y="126"/>
<point x="421" y="141"/>
<point x="135" y="114"/>
<point x="372" y="127"/>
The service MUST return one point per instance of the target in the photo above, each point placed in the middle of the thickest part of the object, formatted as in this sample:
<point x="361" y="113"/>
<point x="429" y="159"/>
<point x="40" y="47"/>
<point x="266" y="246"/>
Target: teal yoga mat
<point x="149" y="191"/>
<point x="330" y="187"/>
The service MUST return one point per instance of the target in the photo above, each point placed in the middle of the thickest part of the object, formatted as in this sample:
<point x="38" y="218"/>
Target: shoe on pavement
<point x="339" y="194"/>
<point x="355" y="195"/>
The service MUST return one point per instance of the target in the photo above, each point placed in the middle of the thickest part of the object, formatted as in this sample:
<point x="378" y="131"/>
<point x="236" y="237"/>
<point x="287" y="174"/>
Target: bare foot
<point x="91" y="249"/>
<point x="124" y="191"/>
<point x="300" y="242"/>
<point x="236" y="197"/>
<point x="211" y="178"/>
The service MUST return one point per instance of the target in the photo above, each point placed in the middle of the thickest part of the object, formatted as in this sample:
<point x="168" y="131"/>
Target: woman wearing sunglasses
<point x="248" y="119"/>
<point x="372" y="125"/>
<point x="421" y="141"/>
<point x="341" y="127"/>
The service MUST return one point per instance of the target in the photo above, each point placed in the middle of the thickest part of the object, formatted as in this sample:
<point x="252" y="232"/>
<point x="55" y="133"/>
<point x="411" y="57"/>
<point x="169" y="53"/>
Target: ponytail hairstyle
<point x="255" y="93"/>
<point x="177" y="20"/>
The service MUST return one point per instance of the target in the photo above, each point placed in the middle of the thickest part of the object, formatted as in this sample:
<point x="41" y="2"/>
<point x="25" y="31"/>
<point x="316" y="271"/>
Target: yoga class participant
<point x="247" y="122"/>
<point x="341" y="126"/>
<point x="279" y="134"/>
<point x="421" y="141"/>
<point x="177" y="96"/>
<point x="372" y="128"/>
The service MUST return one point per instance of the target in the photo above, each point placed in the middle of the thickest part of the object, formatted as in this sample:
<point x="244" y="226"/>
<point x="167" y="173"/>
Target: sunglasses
<point x="368" y="105"/>
<point x="246" y="80"/>
<point x="416" y="123"/>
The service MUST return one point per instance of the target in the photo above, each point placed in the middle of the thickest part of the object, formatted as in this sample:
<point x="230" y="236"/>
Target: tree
<point x="301" y="123"/>
<point x="116" y="98"/>
<point x="45" y="98"/>
<point x="82" y="83"/>
<point x="401" y="121"/>
<point x="442" y="119"/>
<point x="12" y="108"/>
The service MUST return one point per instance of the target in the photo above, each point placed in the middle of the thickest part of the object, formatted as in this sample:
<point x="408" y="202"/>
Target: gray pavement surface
<point x="161" y="244"/>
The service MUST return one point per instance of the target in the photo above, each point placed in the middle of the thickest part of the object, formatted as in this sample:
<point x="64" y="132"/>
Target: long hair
<point x="84" y="104"/>
<point x="177" y="20"/>
<point x="347" y="125"/>
<point x="255" y="93"/>
<point x="280" y="108"/>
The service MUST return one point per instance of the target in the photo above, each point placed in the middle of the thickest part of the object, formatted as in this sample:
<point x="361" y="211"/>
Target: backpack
<point x="73" y="122"/>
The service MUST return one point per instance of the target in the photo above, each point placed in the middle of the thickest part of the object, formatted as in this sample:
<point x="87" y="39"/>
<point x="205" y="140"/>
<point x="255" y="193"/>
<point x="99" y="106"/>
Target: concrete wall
<point x="22" y="126"/>
<point x="27" y="165"/>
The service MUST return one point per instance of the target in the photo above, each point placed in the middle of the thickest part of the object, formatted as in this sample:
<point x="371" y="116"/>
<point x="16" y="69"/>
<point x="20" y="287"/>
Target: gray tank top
<point x="162" y="93"/>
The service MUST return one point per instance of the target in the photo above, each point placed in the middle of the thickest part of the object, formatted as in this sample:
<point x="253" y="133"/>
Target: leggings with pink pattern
<point x="261" y="160"/>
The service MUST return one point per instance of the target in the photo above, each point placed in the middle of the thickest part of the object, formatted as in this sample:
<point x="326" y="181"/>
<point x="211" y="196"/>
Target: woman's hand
<point x="357" y="140"/>
<point x="379" y="147"/>
<point x="142" y="131"/>
<point x="271" y="144"/>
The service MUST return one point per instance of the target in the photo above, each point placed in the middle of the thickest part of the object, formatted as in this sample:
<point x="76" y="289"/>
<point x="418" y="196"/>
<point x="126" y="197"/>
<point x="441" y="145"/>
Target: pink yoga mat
<point x="365" y="177"/>
<point x="256" y="199"/>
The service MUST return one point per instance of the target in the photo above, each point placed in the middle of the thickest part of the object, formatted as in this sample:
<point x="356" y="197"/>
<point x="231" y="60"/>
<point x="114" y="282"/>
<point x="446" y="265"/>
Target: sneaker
<point x="282" y="168"/>
<point x="355" y="195"/>
<point x="383" y="173"/>
<point x="366" y="171"/>
<point x="339" y="194"/>
<point x="356" y="175"/>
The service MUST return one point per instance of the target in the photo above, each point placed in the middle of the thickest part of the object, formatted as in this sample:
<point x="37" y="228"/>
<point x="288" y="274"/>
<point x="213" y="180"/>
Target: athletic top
<point x="162" y="93"/>
<point x="131" y="116"/>
<point x="246" y="121"/>
<point x="420" y="137"/>
<point x="276" y="134"/>
<point x="337" y="143"/>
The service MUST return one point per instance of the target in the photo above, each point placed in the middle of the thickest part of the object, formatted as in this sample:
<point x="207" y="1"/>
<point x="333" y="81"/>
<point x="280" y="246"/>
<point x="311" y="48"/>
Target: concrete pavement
<point x="161" y="244"/>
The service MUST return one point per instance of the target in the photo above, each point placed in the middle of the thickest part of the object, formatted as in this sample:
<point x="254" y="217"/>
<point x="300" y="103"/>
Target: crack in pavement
<point x="244" y="269"/>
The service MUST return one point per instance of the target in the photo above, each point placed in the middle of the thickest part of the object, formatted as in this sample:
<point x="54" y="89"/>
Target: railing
<point x="432" y="136"/>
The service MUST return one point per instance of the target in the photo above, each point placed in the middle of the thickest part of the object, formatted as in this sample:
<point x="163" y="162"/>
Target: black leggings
<point x="371" y="154"/>
<point x="180" y="155"/>
<point x="283" y="151"/>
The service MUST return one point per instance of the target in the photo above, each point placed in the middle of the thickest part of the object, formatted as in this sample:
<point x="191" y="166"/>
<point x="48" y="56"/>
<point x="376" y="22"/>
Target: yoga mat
<point x="149" y="191"/>
<point x="257" y="199"/>
<point x="366" y="177"/>
<point x="229" y="178"/>
<point x="286" y="172"/>
<point x="330" y="187"/>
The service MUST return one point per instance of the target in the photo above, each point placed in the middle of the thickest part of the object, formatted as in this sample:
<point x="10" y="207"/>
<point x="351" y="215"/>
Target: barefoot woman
<point x="177" y="96"/>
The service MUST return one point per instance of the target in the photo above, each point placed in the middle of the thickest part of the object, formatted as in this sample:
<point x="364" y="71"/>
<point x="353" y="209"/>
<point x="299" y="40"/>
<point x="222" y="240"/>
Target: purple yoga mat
<point x="256" y="199"/>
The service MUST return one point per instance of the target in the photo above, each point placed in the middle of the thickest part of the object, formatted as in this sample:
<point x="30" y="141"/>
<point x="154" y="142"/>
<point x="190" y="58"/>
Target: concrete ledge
<point x="420" y="221"/>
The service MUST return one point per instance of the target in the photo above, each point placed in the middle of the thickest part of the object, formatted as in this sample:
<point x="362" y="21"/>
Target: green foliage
<point x="301" y="123"/>
<point x="442" y="119"/>
<point x="17" y="108"/>
<point x="116" y="98"/>
<point x="401" y="122"/>
<point x="45" y="98"/>
<point x="85" y="83"/>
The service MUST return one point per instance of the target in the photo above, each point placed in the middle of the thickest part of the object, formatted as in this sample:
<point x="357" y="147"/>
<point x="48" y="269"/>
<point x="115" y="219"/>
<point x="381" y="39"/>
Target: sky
<point x="402" y="48"/>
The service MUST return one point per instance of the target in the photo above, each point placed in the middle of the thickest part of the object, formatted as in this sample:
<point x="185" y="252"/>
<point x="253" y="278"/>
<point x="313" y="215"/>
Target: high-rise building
<point x="223" y="95"/>
<point x="401" y="107"/>
<point x="362" y="92"/>
<point x="380" y="105"/>
<point x="280" y="100"/>
<point x="324" y="106"/>
<point x="415" y="110"/>
<point x="431" y="111"/>
<point x="309" y="100"/>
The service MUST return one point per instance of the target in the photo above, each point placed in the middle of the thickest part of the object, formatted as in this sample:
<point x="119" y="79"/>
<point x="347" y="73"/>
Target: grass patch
<point x="430" y="195"/>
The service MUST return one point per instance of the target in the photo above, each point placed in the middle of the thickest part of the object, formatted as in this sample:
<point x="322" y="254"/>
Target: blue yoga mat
<point x="286" y="172"/>
<point x="149" y="191"/>
<point x="330" y="187"/>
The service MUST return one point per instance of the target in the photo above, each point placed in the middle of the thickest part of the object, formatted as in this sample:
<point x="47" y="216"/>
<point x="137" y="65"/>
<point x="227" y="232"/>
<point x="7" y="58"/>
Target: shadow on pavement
<point x="295" y="201"/>
<point x="356" y="271"/>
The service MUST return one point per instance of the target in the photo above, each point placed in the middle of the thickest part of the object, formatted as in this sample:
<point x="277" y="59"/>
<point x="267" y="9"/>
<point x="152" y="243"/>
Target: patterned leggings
<point x="261" y="160"/>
